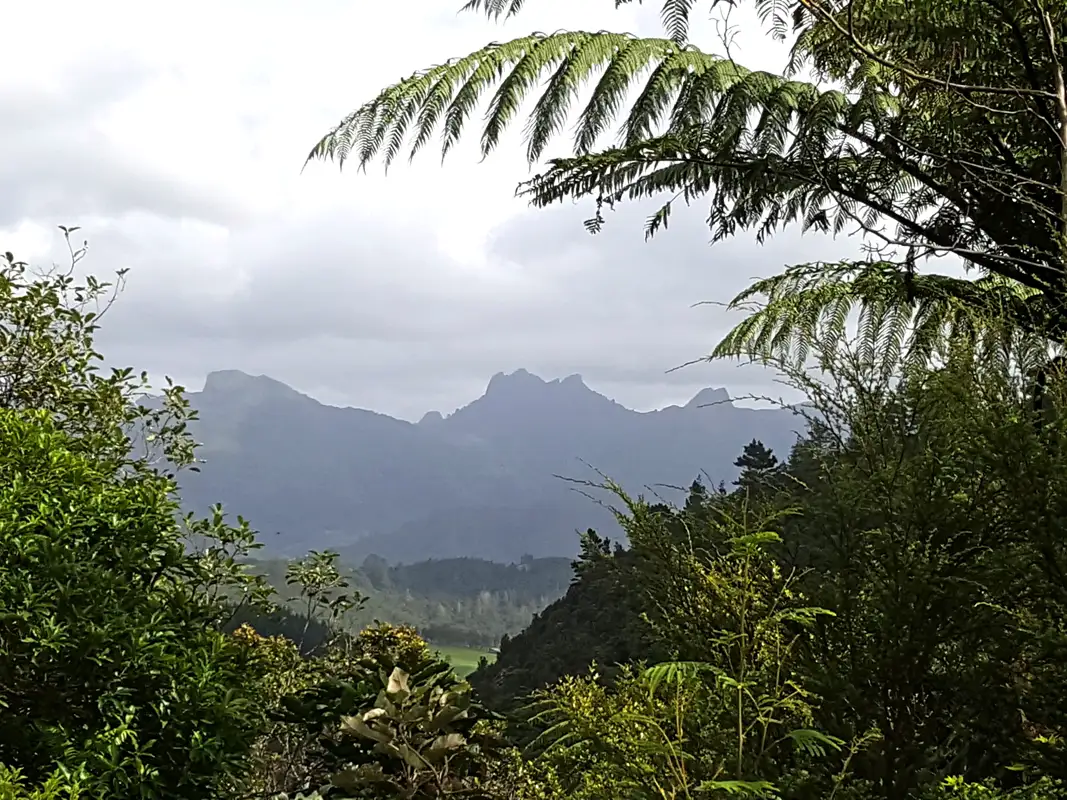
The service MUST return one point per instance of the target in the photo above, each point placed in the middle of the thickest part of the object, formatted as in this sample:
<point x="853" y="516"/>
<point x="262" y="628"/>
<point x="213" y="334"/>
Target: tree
<point x="393" y="720"/>
<point x="757" y="464"/>
<point x="48" y="360"/>
<point x="110" y="661"/>
<point x="935" y="128"/>
<point x="114" y="671"/>
<point x="376" y="570"/>
<point x="323" y="589"/>
<point x="931" y="521"/>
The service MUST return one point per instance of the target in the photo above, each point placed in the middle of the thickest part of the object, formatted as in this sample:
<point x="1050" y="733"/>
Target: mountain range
<point x="487" y="481"/>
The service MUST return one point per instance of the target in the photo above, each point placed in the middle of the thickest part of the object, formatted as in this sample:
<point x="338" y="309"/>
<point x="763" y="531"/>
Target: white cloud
<point x="175" y="137"/>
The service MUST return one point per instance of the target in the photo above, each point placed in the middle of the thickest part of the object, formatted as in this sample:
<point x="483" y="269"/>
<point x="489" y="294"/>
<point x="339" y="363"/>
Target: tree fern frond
<point x="515" y="67"/>
<point x="683" y="86"/>
<point x="495" y="9"/>
<point x="674" y="14"/>
<point x="676" y="674"/>
<point x="675" y="17"/>
<point x="902" y="317"/>
<point x="935" y="142"/>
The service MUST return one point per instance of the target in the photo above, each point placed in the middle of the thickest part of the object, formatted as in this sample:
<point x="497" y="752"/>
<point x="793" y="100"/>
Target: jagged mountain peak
<point x="709" y="396"/>
<point x="524" y="380"/>
<point x="236" y="382"/>
<point x="524" y="384"/>
<point x="432" y="418"/>
<point x="518" y="381"/>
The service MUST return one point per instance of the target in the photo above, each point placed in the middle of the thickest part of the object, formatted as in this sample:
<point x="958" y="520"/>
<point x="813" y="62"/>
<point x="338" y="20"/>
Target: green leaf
<point x="744" y="788"/>
<point x="443" y="745"/>
<point x="358" y="726"/>
<point x="411" y="756"/>
<point x="814" y="742"/>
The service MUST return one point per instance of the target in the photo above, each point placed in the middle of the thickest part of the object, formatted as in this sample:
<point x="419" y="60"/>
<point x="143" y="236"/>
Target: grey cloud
<point x="364" y="309"/>
<point x="58" y="165"/>
<point x="321" y="278"/>
<point x="369" y="314"/>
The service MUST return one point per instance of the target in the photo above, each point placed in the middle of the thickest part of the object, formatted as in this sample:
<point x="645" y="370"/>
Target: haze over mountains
<point x="480" y="482"/>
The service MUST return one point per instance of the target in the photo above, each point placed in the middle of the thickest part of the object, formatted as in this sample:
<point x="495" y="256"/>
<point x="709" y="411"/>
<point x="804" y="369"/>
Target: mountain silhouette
<point x="487" y="481"/>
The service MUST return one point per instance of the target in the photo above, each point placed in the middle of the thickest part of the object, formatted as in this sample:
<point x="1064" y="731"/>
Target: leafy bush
<point x="109" y="661"/>
<point x="56" y="787"/>
<point x="381" y="714"/>
<point x="956" y="788"/>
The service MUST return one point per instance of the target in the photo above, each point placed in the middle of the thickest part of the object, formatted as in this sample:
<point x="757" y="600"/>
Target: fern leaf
<point x="675" y="673"/>
<point x="743" y="788"/>
<point x="682" y="85"/>
<point x="814" y="743"/>
<point x="813" y="301"/>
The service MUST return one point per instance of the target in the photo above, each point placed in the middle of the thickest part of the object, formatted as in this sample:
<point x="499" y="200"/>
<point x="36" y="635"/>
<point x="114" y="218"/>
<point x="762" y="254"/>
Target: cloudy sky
<point x="175" y="139"/>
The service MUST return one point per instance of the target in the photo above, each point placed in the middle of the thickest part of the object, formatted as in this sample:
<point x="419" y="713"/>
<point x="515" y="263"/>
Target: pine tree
<point x="758" y="466"/>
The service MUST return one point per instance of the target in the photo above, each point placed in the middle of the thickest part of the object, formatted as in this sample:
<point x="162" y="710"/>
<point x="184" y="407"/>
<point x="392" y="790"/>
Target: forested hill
<point x="480" y="482"/>
<point x="464" y="602"/>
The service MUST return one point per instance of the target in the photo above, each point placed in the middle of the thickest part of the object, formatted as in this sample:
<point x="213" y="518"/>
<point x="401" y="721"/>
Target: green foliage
<point x="114" y="677"/>
<point x="284" y="756"/>
<point x="597" y="620"/>
<point x="322" y="588"/>
<point x="389" y="718"/>
<point x="56" y="787"/>
<point x="759" y="467"/>
<point x="930" y="507"/>
<point x="283" y="622"/>
<point x="626" y="741"/>
<point x="956" y="788"/>
<point x="111" y="665"/>
<point x="397" y="645"/>
<point x="420" y="739"/>
<point x="814" y="302"/>
<point x="925" y="509"/>
<point x="730" y="714"/>
<point x="50" y="363"/>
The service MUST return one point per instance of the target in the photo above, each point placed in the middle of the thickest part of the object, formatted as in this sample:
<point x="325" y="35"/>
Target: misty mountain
<point x="483" y="481"/>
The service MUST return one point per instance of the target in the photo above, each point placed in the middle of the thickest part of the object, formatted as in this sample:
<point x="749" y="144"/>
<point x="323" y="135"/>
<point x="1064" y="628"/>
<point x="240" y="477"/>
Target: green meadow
<point x="464" y="660"/>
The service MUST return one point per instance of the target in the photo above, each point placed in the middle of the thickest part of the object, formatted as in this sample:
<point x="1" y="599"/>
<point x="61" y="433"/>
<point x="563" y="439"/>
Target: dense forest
<point x="879" y="613"/>
<point x="463" y="602"/>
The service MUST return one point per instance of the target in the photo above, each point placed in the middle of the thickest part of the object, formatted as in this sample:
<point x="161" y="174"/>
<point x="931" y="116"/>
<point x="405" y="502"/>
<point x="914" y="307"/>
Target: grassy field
<point x="464" y="660"/>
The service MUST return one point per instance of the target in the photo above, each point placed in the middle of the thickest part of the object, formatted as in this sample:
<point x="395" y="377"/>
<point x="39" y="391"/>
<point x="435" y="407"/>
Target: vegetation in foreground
<point x="879" y="614"/>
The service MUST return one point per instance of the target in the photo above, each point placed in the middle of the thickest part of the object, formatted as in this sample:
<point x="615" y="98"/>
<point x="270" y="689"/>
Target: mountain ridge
<point x="481" y="481"/>
<point x="233" y="379"/>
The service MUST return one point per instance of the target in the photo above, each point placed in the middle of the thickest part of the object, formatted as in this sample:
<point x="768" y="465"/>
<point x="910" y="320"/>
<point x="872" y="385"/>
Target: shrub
<point x="110" y="662"/>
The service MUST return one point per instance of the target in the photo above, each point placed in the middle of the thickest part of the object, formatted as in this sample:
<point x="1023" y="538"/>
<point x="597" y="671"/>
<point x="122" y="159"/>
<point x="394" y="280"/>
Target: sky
<point x="175" y="137"/>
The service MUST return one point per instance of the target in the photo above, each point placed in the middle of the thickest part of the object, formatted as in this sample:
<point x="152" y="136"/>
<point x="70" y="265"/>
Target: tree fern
<point x="901" y="317"/>
<point x="675" y="13"/>
<point x="942" y="137"/>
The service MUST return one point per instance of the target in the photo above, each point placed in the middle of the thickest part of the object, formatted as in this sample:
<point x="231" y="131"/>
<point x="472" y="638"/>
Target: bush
<point x="110" y="662"/>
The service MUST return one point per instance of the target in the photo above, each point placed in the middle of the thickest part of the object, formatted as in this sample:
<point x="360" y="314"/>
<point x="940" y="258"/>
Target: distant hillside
<point x="480" y="482"/>
<point x="464" y="602"/>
